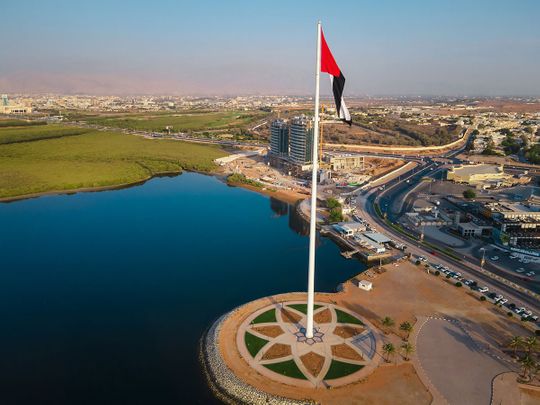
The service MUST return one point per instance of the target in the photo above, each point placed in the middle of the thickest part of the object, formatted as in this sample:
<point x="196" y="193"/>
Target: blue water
<point x="104" y="296"/>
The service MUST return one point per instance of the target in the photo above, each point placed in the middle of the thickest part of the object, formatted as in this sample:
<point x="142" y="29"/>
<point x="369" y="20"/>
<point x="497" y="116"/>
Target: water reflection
<point x="280" y="208"/>
<point x="297" y="223"/>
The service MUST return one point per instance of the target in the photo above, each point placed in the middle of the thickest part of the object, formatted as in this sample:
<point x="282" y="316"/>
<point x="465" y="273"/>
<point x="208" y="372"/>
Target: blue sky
<point x="268" y="47"/>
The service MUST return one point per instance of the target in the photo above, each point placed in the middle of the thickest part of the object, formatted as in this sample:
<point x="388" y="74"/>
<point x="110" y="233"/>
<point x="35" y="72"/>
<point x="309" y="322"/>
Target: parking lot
<point x="494" y="297"/>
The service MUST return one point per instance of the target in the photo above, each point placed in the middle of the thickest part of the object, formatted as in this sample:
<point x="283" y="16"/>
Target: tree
<point x="527" y="364"/>
<point x="531" y="343"/>
<point x="332" y="203"/>
<point x="469" y="193"/>
<point x="406" y="327"/>
<point x="387" y="322"/>
<point x="336" y="215"/>
<point x="407" y="349"/>
<point x="516" y="343"/>
<point x="389" y="350"/>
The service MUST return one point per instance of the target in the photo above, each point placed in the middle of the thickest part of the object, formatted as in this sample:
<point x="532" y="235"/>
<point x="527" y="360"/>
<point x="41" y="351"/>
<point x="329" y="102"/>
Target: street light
<point x="483" y="258"/>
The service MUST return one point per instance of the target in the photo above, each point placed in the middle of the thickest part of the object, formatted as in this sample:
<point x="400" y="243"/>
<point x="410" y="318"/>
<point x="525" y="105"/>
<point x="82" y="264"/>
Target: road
<point x="366" y="210"/>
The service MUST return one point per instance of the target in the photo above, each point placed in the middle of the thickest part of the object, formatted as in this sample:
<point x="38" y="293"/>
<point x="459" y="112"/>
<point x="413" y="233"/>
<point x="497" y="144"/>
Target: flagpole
<point x="313" y="215"/>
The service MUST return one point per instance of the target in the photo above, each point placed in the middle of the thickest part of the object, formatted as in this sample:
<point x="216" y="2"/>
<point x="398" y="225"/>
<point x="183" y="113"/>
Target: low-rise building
<point x="344" y="161"/>
<point x="517" y="224"/>
<point x="484" y="176"/>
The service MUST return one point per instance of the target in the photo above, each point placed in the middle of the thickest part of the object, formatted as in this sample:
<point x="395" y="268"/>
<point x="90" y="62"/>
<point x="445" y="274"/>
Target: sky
<point x="181" y="47"/>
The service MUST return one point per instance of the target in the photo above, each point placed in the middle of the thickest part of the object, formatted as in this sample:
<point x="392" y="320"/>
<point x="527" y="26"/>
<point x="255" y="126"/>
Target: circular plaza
<point x="260" y="351"/>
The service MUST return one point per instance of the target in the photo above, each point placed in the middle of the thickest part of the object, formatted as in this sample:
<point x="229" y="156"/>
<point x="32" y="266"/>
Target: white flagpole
<point x="313" y="216"/>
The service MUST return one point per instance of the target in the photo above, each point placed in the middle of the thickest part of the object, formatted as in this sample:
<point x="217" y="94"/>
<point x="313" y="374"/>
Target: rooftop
<point x="477" y="169"/>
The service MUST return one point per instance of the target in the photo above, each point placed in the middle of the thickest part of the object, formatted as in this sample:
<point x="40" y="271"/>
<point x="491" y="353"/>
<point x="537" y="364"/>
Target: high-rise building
<point x="279" y="138"/>
<point x="301" y="140"/>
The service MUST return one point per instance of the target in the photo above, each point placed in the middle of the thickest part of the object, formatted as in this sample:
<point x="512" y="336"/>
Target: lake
<point x="104" y="296"/>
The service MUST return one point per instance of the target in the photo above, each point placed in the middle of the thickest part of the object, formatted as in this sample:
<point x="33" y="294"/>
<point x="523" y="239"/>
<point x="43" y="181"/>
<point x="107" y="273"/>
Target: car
<point x="494" y="258"/>
<point x="498" y="297"/>
<point x="503" y="301"/>
<point x="492" y="295"/>
<point x="518" y="310"/>
<point x="528" y="312"/>
<point x="483" y="289"/>
<point x="511" y="305"/>
<point x="520" y="270"/>
<point x="534" y="317"/>
<point x="531" y="274"/>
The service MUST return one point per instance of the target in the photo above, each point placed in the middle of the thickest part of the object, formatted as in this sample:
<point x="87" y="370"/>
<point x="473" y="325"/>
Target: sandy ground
<point x="289" y="196"/>
<point x="406" y="291"/>
<point x="402" y="292"/>
<point x="375" y="389"/>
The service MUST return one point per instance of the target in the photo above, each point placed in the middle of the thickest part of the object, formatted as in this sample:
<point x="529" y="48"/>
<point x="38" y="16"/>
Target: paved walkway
<point x="456" y="368"/>
<point x="333" y="340"/>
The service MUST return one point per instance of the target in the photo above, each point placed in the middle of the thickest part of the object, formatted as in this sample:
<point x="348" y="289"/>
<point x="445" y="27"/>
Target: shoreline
<point x="282" y="195"/>
<point x="112" y="187"/>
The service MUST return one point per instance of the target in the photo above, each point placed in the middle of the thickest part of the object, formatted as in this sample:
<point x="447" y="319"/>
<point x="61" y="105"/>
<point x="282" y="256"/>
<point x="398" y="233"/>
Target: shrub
<point x="537" y="332"/>
<point x="448" y="276"/>
<point x="437" y="273"/>
<point x="418" y="263"/>
<point x="458" y="284"/>
<point x="469" y="193"/>
<point x="509" y="313"/>
<point x="482" y="298"/>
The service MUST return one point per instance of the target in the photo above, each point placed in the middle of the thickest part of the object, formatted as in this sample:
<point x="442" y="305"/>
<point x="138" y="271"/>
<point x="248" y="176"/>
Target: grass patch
<point x="180" y="122"/>
<point x="303" y="307"/>
<point x="287" y="368"/>
<point x="340" y="369"/>
<point x="254" y="343"/>
<point x="20" y="123"/>
<point x="35" y="133"/>
<point x="268" y="316"/>
<point x="95" y="159"/>
<point x="238" y="178"/>
<point x="344" y="317"/>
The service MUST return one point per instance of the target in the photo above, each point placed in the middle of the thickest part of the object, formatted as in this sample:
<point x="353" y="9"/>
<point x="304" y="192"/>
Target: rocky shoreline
<point x="225" y="385"/>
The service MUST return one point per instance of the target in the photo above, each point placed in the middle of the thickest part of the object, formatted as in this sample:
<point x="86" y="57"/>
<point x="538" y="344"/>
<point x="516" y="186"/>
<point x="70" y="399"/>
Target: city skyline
<point x="454" y="49"/>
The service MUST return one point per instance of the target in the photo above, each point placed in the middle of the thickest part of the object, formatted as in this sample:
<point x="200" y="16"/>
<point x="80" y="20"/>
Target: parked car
<point x="531" y="274"/>
<point x="495" y="258"/>
<point x="483" y="289"/>
<point x="503" y="301"/>
<point x="520" y="270"/>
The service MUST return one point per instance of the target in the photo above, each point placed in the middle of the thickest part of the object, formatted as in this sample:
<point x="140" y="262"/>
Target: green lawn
<point x="19" y="123"/>
<point x="340" y="369"/>
<point x="344" y="317"/>
<point x="33" y="133"/>
<point x="93" y="159"/>
<point x="287" y="368"/>
<point x="180" y="121"/>
<point x="303" y="307"/>
<point x="268" y="316"/>
<point x="254" y="343"/>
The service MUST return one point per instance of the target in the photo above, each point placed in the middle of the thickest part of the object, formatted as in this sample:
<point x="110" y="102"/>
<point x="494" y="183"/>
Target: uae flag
<point x="329" y="65"/>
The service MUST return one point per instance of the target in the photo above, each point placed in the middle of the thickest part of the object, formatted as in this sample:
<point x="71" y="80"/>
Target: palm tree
<point x="388" y="350"/>
<point x="516" y="343"/>
<point x="531" y="343"/>
<point x="407" y="349"/>
<point x="387" y="322"/>
<point x="527" y="364"/>
<point x="407" y="328"/>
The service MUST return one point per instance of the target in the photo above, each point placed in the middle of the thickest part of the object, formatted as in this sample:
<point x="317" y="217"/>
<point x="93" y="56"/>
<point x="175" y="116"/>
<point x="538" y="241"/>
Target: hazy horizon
<point x="388" y="49"/>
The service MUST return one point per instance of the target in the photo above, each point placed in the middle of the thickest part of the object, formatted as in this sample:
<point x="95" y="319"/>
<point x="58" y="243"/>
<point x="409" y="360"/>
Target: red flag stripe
<point x="328" y="63"/>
